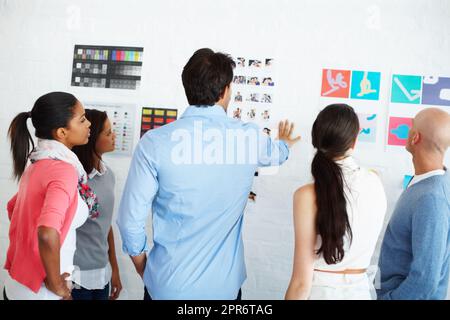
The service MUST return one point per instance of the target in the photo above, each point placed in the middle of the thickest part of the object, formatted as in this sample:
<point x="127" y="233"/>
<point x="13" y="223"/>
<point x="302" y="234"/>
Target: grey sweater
<point x="92" y="236"/>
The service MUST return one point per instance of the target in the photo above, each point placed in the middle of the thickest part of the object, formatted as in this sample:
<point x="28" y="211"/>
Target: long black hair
<point x="333" y="133"/>
<point x="51" y="111"/>
<point x="87" y="153"/>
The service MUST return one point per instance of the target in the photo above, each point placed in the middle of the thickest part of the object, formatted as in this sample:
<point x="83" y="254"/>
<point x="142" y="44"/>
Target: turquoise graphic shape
<point x="406" y="180"/>
<point x="401" y="131"/>
<point x="406" y="89"/>
<point x="365" y="85"/>
<point x="368" y="127"/>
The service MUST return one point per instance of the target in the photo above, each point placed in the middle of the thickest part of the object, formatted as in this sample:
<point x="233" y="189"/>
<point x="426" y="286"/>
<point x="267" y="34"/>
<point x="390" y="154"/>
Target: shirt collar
<point x="95" y="172"/>
<point x="348" y="163"/>
<point x="206" y="111"/>
<point x="420" y="177"/>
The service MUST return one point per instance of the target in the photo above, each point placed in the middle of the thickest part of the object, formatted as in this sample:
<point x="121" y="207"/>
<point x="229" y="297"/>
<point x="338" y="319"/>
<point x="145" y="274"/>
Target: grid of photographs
<point x="253" y="90"/>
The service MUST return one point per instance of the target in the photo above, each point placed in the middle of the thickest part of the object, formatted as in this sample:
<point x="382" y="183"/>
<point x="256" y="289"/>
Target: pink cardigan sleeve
<point x="62" y="183"/>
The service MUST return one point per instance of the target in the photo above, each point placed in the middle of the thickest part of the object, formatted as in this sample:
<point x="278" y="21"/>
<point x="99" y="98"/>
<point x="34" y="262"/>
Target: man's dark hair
<point x="206" y="75"/>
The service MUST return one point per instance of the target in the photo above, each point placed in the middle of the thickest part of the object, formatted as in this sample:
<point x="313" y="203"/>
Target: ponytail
<point x="332" y="221"/>
<point x="20" y="138"/>
<point x="51" y="111"/>
<point x="334" y="132"/>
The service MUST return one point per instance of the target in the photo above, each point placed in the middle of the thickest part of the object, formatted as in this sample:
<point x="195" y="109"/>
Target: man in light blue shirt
<point x="195" y="176"/>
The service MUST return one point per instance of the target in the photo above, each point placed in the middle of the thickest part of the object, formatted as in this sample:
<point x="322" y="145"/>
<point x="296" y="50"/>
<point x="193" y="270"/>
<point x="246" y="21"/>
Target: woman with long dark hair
<point x="337" y="218"/>
<point x="52" y="201"/>
<point x="95" y="256"/>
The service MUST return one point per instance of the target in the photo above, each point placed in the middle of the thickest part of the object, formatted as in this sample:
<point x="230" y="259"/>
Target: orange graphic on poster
<point x="335" y="83"/>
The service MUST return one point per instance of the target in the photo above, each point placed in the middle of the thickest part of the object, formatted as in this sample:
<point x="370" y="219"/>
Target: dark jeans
<point x="148" y="297"/>
<point x="86" y="294"/>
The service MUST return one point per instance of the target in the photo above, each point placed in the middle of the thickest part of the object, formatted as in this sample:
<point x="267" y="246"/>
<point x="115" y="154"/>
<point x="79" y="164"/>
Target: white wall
<point x="36" y="48"/>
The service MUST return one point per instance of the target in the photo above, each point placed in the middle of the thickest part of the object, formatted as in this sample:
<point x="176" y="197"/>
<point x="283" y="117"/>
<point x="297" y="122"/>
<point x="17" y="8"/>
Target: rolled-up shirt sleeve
<point x="135" y="206"/>
<point x="271" y="152"/>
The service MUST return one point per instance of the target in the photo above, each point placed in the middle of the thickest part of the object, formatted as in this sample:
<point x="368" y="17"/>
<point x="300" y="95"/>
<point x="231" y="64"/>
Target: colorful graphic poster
<point x="107" y="67"/>
<point x="122" y="122"/>
<point x="368" y="128"/>
<point x="153" y="118"/>
<point x="335" y="83"/>
<point x="398" y="130"/>
<point x="436" y="91"/>
<point x="253" y="90"/>
<point x="365" y="85"/>
<point x="420" y="92"/>
<point x="406" y="89"/>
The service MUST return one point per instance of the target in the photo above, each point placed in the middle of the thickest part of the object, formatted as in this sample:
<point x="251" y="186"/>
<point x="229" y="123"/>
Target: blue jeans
<point x="148" y="297"/>
<point x="86" y="294"/>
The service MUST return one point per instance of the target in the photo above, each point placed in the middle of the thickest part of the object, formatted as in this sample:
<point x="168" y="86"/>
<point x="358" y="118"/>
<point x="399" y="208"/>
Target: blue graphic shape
<point x="365" y="85"/>
<point x="368" y="127"/>
<point x="406" y="180"/>
<point x="436" y="91"/>
<point x="401" y="131"/>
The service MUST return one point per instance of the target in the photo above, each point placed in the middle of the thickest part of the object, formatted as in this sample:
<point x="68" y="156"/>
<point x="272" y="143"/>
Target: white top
<point x="366" y="208"/>
<point x="424" y="176"/>
<point x="95" y="279"/>
<point x="17" y="291"/>
<point x="95" y="172"/>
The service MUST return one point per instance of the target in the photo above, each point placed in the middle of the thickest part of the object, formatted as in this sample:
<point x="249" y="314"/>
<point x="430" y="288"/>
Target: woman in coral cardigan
<point x="52" y="201"/>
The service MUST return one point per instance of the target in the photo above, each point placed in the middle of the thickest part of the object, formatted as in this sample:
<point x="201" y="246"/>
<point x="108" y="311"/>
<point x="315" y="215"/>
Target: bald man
<point x="415" y="254"/>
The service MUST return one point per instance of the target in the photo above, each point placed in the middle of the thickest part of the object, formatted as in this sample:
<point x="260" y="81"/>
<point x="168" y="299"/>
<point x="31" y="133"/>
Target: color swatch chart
<point x="122" y="123"/>
<point x="153" y="118"/>
<point x="107" y="67"/>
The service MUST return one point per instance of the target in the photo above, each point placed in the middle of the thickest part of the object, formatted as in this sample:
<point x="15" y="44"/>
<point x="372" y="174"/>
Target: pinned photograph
<point x="237" y="113"/>
<point x="240" y="62"/>
<point x="238" y="97"/>
<point x="239" y="80"/>
<point x="253" y="81"/>
<point x="252" y="114"/>
<point x="254" y="97"/>
<point x="268" y="82"/>
<point x="266" y="98"/>
<point x="254" y="63"/>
